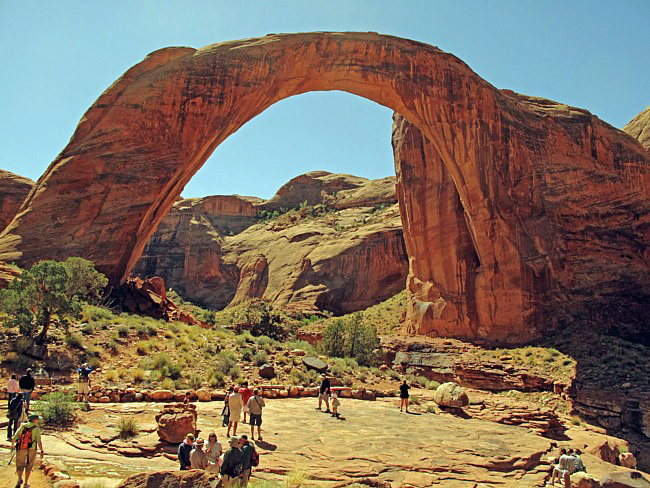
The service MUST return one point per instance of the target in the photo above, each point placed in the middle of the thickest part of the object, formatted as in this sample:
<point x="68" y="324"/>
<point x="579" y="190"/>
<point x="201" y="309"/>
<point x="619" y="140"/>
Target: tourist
<point x="235" y="405"/>
<point x="404" y="396"/>
<point x="26" y="439"/>
<point x="184" y="452"/>
<point x="84" y="382"/>
<point x="12" y="388"/>
<point x="225" y="413"/>
<point x="27" y="385"/>
<point x="336" y="403"/>
<point x="562" y="469"/>
<point x="248" y="450"/>
<point x="198" y="458"/>
<point x="577" y="461"/>
<point x="214" y="452"/>
<point x="14" y="414"/>
<point x="245" y="393"/>
<point x="255" y="405"/>
<point x="231" y="466"/>
<point x="186" y="400"/>
<point x="324" y="393"/>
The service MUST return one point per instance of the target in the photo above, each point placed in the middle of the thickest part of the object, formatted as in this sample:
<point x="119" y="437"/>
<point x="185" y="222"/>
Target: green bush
<point x="195" y="381"/>
<point x="350" y="338"/>
<point x="226" y="364"/>
<point x="92" y="313"/>
<point x="56" y="408"/>
<point x="73" y="340"/>
<point x="260" y="358"/>
<point x="127" y="428"/>
<point x="123" y="331"/>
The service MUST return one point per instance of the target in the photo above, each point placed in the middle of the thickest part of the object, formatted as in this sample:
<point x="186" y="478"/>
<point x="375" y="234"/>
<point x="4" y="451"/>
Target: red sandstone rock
<point x="175" y="422"/>
<point x="13" y="191"/>
<point x="172" y="479"/>
<point x="555" y="200"/>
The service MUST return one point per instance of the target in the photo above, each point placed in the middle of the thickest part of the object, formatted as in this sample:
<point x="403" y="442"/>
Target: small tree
<point x="334" y="339"/>
<point x="50" y="290"/>
<point x="360" y="339"/>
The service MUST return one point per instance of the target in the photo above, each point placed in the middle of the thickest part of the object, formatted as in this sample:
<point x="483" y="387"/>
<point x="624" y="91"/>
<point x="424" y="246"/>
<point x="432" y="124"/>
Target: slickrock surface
<point x="341" y="260"/>
<point x="639" y="128"/>
<point x="555" y="200"/>
<point x="13" y="191"/>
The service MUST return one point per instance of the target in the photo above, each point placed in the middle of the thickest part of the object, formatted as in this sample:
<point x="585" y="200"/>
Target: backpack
<point x="15" y="408"/>
<point x="255" y="458"/>
<point x="26" y="441"/>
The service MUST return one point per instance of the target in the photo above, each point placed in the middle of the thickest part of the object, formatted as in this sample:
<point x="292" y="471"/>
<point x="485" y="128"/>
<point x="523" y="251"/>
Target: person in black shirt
<point x="184" y="451"/>
<point x="14" y="414"/>
<point x="27" y="384"/>
<point x="247" y="449"/>
<point x="404" y="396"/>
<point x="324" y="394"/>
<point x="231" y="467"/>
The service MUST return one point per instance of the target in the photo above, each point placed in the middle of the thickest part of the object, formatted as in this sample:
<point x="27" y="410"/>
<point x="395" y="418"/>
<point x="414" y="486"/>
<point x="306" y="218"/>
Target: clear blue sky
<point x="58" y="56"/>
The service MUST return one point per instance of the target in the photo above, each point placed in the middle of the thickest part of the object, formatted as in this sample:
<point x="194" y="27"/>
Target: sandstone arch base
<point x="514" y="163"/>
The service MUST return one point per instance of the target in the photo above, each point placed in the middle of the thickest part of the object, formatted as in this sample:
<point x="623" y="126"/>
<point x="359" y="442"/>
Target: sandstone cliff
<point x="13" y="191"/>
<point x="639" y="128"/>
<point x="340" y="248"/>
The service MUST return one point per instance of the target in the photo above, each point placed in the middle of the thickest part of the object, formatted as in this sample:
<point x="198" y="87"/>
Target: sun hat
<point x="34" y="416"/>
<point x="200" y="441"/>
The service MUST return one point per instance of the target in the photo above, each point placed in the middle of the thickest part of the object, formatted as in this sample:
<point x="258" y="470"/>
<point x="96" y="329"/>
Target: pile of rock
<point x="175" y="421"/>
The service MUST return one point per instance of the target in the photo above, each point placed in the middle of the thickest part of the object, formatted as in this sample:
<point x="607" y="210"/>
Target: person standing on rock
<point x="404" y="396"/>
<point x="245" y="393"/>
<point x="84" y="382"/>
<point x="198" y="458"/>
<point x="27" y="385"/>
<point x="248" y="450"/>
<point x="231" y="467"/>
<point x="12" y="388"/>
<point x="27" y="439"/>
<point x="324" y="393"/>
<point x="235" y="405"/>
<point x="14" y="414"/>
<point x="184" y="452"/>
<point x="255" y="405"/>
<point x="214" y="451"/>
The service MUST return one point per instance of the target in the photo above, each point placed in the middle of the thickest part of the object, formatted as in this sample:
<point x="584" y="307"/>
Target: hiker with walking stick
<point x="27" y="438"/>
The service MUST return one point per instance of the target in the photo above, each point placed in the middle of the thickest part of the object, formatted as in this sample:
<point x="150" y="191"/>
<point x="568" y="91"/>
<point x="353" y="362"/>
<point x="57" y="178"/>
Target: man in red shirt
<point x="245" y="393"/>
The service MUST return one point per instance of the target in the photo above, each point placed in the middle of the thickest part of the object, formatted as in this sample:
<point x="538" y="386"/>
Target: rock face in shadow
<point x="555" y="200"/>
<point x="342" y="250"/>
<point x="13" y="191"/>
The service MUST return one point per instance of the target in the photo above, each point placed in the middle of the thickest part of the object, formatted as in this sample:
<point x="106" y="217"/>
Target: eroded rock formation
<point x="639" y="128"/>
<point x="13" y="191"/>
<point x="555" y="200"/>
<point x="320" y="258"/>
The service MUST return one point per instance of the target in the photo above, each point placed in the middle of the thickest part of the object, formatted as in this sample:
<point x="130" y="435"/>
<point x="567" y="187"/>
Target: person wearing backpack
<point x="12" y="388"/>
<point x="231" y="467"/>
<point x="84" y="382"/>
<point x="14" y="414"/>
<point x="26" y="439"/>
<point x="27" y="384"/>
<point x="248" y="458"/>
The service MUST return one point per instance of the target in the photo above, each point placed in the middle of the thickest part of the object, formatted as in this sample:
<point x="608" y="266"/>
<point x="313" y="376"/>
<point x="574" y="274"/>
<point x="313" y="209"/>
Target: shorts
<point x="25" y="458"/>
<point x="324" y="396"/>
<point x="255" y="419"/>
<point x="84" y="388"/>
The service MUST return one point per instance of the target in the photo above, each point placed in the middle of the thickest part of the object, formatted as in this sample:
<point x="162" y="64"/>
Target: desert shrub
<point x="216" y="379"/>
<point x="73" y="340"/>
<point x="168" y="384"/>
<point x="94" y="362"/>
<point x="127" y="428"/>
<point x="56" y="408"/>
<point x="247" y="354"/>
<point x="334" y="339"/>
<point x="93" y="313"/>
<point x="244" y="338"/>
<point x="195" y="381"/>
<point x="111" y="375"/>
<point x="431" y="409"/>
<point x="260" y="358"/>
<point x="113" y="345"/>
<point x="138" y="375"/>
<point x="265" y="320"/>
<point x="143" y="348"/>
<point x="296" y="479"/>
<point x="303" y="345"/>
<point x="226" y="364"/>
<point x="123" y="331"/>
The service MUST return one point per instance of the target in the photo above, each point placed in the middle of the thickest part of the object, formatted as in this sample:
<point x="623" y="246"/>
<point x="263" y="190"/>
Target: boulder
<point x="314" y="363"/>
<point x="204" y="395"/>
<point x="451" y="395"/>
<point x="298" y="352"/>
<point x="583" y="480"/>
<point x="627" y="460"/>
<point x="625" y="479"/>
<point x="606" y="451"/>
<point x="172" y="479"/>
<point x="175" y="422"/>
<point x="162" y="395"/>
<point x="266" y="371"/>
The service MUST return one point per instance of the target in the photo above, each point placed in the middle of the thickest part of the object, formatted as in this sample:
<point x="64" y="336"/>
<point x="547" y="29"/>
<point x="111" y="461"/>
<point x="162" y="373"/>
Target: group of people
<point x="325" y="393"/>
<point x="235" y="466"/>
<point x="243" y="400"/>
<point x="23" y="428"/>
<point x="568" y="463"/>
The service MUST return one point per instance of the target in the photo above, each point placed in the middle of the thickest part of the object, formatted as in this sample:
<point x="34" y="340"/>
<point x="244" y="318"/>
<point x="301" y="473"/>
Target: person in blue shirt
<point x="84" y="382"/>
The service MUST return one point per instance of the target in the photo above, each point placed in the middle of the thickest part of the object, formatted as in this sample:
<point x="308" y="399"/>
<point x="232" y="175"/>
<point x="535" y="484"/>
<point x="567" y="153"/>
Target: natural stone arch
<point x="144" y="138"/>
